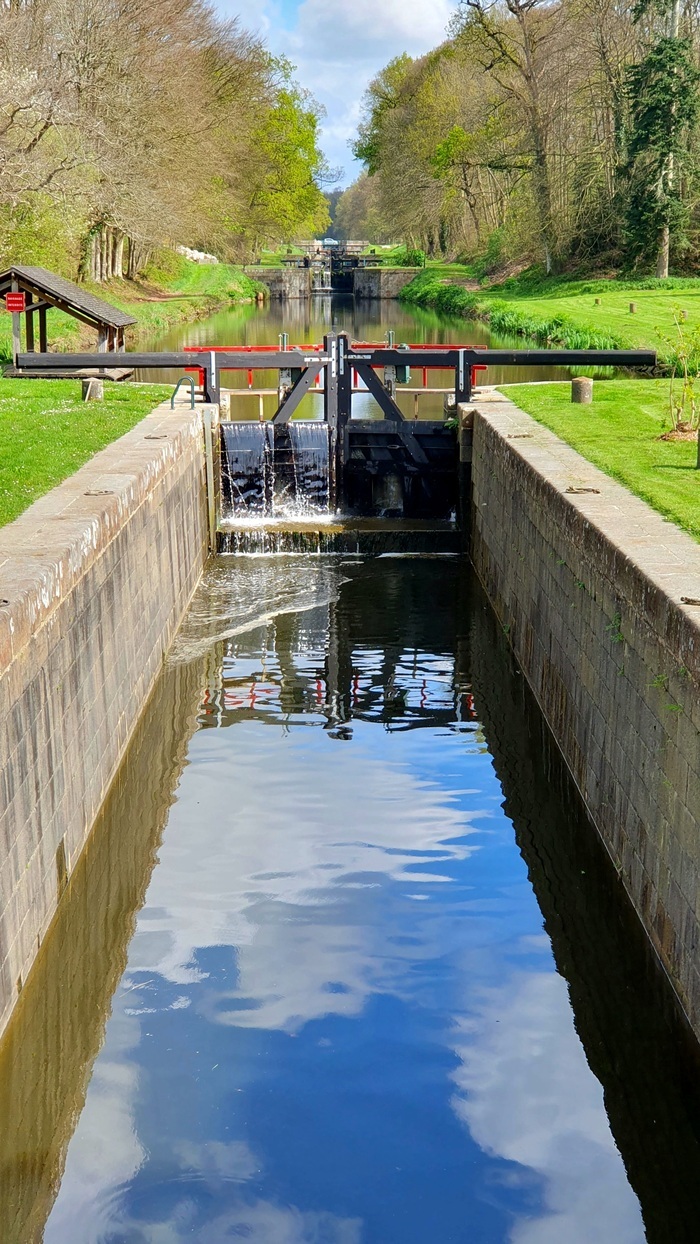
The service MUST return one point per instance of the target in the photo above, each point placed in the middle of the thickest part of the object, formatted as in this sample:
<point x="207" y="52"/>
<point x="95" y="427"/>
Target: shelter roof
<point x="70" y="297"/>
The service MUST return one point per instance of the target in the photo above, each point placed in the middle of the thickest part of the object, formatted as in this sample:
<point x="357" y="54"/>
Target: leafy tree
<point x="383" y="95"/>
<point x="663" y="95"/>
<point x="359" y="214"/>
<point x="286" y="197"/>
<point x="139" y="124"/>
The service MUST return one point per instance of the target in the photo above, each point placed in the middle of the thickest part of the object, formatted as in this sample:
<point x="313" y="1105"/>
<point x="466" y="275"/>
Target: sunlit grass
<point x="650" y="326"/>
<point x="47" y="432"/>
<point x="620" y="434"/>
<point x="558" y="312"/>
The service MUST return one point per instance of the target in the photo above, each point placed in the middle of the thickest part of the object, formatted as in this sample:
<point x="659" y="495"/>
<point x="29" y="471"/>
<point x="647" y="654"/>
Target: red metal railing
<point x="316" y="348"/>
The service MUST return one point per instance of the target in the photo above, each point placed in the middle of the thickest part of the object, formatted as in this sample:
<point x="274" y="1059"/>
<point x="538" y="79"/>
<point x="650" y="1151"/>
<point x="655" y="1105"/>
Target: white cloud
<point x="105" y="1152"/>
<point x="527" y="1095"/>
<point x="371" y="30"/>
<point x="216" y="887"/>
<point x="338" y="49"/>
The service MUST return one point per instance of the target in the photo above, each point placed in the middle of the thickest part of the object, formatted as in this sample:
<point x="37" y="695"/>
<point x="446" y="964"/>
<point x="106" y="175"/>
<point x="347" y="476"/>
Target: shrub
<point x="409" y="257"/>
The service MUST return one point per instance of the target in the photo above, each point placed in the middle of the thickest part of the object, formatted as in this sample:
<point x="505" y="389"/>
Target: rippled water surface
<point x="344" y="1017"/>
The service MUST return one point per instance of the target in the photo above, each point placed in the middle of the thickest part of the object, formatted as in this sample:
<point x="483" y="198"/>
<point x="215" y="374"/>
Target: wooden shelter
<point x="42" y="290"/>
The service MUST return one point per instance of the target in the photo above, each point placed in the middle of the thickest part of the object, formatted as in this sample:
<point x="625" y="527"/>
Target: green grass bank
<point x="47" y="432"/>
<point x="620" y="433"/>
<point x="560" y="312"/>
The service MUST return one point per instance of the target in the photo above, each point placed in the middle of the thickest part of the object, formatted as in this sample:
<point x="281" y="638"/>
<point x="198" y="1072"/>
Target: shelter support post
<point x="16" y="328"/>
<point x="29" y="325"/>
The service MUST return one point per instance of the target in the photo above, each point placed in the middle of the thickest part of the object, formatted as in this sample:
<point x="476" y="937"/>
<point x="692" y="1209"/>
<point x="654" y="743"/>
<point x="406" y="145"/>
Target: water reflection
<point x="307" y="319"/>
<point x="47" y="1052"/>
<point x="526" y="1094"/>
<point x="341" y="1020"/>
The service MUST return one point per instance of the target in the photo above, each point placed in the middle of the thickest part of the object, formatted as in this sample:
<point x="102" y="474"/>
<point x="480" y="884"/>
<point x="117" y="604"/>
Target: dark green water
<point x="345" y="963"/>
<point x="306" y="321"/>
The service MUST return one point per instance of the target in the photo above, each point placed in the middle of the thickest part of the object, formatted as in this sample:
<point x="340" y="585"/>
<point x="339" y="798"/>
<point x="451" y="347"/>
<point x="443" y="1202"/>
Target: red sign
<point x="15" y="302"/>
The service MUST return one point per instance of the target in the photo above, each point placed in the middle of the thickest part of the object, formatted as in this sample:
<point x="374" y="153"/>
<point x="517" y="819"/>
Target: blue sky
<point x="338" y="46"/>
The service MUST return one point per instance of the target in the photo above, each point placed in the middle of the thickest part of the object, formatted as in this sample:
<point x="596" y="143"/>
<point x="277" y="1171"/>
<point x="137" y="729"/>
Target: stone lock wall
<point x="94" y="579"/>
<point x="285" y="282"/>
<point x="589" y="584"/>
<point x="381" y="282"/>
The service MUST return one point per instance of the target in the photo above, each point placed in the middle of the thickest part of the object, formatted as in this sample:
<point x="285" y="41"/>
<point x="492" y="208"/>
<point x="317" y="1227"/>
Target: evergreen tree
<point x="663" y="94"/>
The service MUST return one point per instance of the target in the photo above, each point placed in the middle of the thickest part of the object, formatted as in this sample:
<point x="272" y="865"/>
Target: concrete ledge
<point x="94" y="578"/>
<point x="588" y="581"/>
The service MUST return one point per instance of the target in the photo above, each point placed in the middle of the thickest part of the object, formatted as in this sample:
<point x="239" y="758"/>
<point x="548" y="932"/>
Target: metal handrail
<point x="183" y="380"/>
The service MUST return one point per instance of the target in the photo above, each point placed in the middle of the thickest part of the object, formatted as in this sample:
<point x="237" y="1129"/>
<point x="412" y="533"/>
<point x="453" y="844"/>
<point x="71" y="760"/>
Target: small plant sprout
<point x="613" y="629"/>
<point x="684" y="351"/>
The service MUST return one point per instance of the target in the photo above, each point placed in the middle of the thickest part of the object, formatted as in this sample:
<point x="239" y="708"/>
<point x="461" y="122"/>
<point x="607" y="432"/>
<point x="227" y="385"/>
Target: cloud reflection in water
<point x="305" y="1053"/>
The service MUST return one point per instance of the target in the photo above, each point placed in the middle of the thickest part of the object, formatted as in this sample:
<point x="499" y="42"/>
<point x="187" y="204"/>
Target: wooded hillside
<point x="129" y="124"/>
<point x="562" y="132"/>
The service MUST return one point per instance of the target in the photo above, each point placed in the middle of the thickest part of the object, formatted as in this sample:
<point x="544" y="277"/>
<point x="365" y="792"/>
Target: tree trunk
<point x="543" y="197"/>
<point x="662" y="257"/>
<point x="134" y="260"/>
<point x="667" y="181"/>
<point x="538" y="131"/>
<point x="119" y="256"/>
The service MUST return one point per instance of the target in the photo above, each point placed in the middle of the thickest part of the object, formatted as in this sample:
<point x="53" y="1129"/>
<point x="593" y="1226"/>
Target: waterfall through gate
<point x="275" y="470"/>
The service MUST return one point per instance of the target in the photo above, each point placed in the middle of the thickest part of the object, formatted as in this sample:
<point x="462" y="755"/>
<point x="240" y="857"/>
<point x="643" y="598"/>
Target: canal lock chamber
<point x="377" y="983"/>
<point x="363" y="973"/>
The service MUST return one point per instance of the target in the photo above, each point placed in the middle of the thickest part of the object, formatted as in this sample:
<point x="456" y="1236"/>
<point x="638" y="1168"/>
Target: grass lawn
<point x="221" y="280"/>
<point x="47" y="432"/>
<point x="620" y="434"/>
<point x="559" y="312"/>
<point x="650" y="326"/>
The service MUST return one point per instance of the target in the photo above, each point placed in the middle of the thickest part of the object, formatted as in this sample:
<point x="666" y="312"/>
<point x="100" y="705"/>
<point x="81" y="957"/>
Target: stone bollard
<point x="93" y="390"/>
<point x="633" y="308"/>
<point x="597" y="302"/>
<point x="684" y="315"/>
<point x="582" y="390"/>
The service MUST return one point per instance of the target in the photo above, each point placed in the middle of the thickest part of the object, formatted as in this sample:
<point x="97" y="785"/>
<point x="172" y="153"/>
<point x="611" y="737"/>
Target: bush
<point x="409" y="257"/>
<point x="165" y="267"/>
